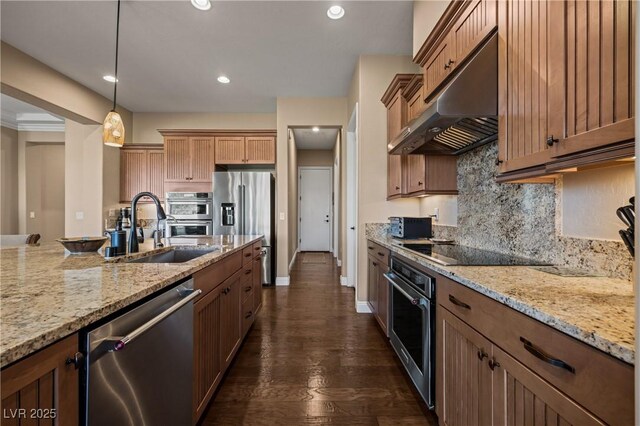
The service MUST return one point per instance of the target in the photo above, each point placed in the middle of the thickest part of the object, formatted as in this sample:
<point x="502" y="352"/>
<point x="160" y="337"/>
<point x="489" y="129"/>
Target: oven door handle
<point x="413" y="300"/>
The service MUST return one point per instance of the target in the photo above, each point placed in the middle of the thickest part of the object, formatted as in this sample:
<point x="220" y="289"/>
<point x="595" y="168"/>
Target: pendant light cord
<point x="115" y="85"/>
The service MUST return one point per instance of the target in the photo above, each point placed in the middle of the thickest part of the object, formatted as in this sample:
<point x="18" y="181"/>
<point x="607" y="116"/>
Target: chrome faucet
<point x="133" y="238"/>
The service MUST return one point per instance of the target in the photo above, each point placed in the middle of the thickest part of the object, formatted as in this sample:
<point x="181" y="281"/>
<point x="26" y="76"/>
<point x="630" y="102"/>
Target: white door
<point x="352" y="197"/>
<point x="315" y="193"/>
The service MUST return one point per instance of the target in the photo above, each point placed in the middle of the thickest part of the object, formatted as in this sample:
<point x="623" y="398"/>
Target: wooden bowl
<point x="82" y="244"/>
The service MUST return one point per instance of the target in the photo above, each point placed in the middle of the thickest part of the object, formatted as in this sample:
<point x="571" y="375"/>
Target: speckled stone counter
<point x="46" y="293"/>
<point x="595" y="310"/>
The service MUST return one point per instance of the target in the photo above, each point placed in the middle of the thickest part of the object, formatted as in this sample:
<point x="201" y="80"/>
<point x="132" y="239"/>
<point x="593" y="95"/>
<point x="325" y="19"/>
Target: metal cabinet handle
<point x="76" y="360"/>
<point x="121" y="343"/>
<point x="374" y="263"/>
<point x="493" y="364"/>
<point x="248" y="314"/>
<point x="247" y="289"/>
<point x="380" y="254"/>
<point x="247" y="255"/>
<point x="370" y="248"/>
<point x="540" y="354"/>
<point x="248" y="271"/>
<point x="458" y="303"/>
<point x="397" y="187"/>
<point x="420" y="183"/>
<point x="482" y="354"/>
<point x="551" y="140"/>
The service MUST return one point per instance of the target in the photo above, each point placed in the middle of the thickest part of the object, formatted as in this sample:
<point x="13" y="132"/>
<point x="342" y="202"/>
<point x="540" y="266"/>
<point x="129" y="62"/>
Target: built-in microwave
<point x="189" y="205"/>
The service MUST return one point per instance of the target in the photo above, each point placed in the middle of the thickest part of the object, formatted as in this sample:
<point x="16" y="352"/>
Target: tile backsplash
<point x="521" y="220"/>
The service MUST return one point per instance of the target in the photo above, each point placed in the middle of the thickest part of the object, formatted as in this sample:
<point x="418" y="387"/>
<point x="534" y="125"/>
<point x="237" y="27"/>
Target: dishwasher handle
<point x="119" y="343"/>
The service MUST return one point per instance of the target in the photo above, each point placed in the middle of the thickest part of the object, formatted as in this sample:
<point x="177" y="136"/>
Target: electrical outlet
<point x="281" y="216"/>
<point x="32" y="215"/>
<point x="79" y="215"/>
<point x="436" y="214"/>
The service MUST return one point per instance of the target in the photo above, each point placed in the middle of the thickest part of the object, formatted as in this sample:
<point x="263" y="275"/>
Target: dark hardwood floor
<point x="310" y="359"/>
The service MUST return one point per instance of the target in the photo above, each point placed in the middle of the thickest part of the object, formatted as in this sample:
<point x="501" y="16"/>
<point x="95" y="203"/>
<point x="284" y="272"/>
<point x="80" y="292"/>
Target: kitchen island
<point x="48" y="293"/>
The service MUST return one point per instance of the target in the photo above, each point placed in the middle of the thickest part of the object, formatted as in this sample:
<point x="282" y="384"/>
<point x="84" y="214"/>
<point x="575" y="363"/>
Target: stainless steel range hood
<point x="462" y="116"/>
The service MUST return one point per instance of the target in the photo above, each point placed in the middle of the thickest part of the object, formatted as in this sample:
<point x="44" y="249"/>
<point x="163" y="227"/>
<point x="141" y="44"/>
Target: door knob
<point x="353" y="228"/>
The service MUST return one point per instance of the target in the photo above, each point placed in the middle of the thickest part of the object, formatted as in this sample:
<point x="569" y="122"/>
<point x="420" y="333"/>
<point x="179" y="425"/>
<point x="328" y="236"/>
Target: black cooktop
<point x="453" y="254"/>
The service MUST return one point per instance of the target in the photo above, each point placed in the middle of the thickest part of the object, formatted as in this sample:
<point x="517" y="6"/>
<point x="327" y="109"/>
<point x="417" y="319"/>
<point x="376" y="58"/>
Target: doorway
<point x="352" y="199"/>
<point x="315" y="193"/>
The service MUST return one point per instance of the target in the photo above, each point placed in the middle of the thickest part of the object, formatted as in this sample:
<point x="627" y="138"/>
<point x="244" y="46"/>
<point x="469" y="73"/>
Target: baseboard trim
<point x="343" y="281"/>
<point x="282" y="281"/>
<point x="293" y="259"/>
<point x="363" y="308"/>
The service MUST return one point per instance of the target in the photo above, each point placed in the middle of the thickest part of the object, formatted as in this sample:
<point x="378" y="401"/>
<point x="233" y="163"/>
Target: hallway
<point x="310" y="359"/>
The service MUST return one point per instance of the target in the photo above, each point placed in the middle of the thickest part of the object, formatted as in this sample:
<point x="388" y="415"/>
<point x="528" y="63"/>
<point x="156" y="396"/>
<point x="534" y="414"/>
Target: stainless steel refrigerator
<point x="244" y="204"/>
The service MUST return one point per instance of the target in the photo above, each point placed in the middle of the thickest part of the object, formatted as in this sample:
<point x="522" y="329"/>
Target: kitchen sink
<point x="173" y="256"/>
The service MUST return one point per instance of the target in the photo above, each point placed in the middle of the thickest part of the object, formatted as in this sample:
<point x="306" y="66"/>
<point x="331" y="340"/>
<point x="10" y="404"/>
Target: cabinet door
<point x="372" y="283"/>
<point x="207" y="361"/>
<point x="383" y="299"/>
<point x="43" y="385"/>
<point x="416" y="173"/>
<point x="597" y="92"/>
<point x="396" y="116"/>
<point x="260" y="150"/>
<point x="438" y="67"/>
<point x="230" y="318"/>
<point x="133" y="173"/>
<point x="472" y="28"/>
<point x="257" y="283"/>
<point x="202" y="159"/>
<point x="463" y="378"/>
<point x="155" y="173"/>
<point x="441" y="174"/>
<point x="395" y="185"/>
<point x="527" y="71"/>
<point x="522" y="397"/>
<point x="177" y="161"/>
<point x="229" y="150"/>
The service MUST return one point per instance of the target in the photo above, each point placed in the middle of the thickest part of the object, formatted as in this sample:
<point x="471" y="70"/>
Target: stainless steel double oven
<point x="190" y="214"/>
<point x="412" y="312"/>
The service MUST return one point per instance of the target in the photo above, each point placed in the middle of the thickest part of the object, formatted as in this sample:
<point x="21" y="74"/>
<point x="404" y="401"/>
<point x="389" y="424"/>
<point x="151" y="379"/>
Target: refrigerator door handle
<point x="244" y="208"/>
<point x="240" y="212"/>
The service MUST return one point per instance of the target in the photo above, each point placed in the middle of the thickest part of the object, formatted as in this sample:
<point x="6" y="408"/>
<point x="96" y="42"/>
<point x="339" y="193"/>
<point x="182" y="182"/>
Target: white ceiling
<point x="19" y="115"/>
<point x="308" y="139"/>
<point x="171" y="53"/>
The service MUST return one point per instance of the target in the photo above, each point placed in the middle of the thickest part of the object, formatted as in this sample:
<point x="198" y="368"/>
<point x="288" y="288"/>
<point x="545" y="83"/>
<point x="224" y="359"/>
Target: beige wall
<point x="83" y="179"/>
<point x="29" y="80"/>
<point x="9" y="183"/>
<point x="297" y="112"/>
<point x="447" y="206"/>
<point x="425" y="16"/>
<point x="45" y="194"/>
<point x="376" y="72"/>
<point x="146" y="124"/>
<point x="589" y="200"/>
<point x="315" y="157"/>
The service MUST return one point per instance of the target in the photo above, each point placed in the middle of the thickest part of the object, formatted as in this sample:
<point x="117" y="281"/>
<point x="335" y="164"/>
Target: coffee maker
<point x="125" y="217"/>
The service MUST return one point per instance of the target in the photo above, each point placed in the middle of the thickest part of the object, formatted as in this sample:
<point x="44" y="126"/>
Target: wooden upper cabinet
<point x="472" y="28"/>
<point x="202" y="158"/>
<point x="230" y="150"/>
<point x="431" y="174"/>
<point x="141" y="169"/>
<point x="596" y="89"/>
<point x="396" y="105"/>
<point x="416" y="173"/>
<point x="260" y="149"/>
<point x="438" y="67"/>
<point x="177" y="159"/>
<point x="395" y="175"/>
<point x="45" y="383"/>
<point x="414" y="95"/>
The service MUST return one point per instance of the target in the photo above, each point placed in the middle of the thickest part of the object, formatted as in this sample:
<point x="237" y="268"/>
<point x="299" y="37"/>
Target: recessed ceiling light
<point x="201" y="4"/>
<point x="109" y="78"/>
<point x="315" y="128"/>
<point x="335" y="12"/>
<point x="224" y="79"/>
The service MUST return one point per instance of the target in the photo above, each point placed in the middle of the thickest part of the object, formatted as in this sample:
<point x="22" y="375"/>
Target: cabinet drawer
<point x="597" y="381"/>
<point x="246" y="289"/>
<point x="213" y="275"/>
<point x="247" y="255"/>
<point x="247" y="315"/>
<point x="257" y="248"/>
<point x="378" y="252"/>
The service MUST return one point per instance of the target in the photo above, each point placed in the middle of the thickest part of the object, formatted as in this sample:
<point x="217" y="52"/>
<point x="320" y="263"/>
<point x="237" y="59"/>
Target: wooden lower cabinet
<point x="43" y="388"/>
<point x="257" y="283"/>
<point x="230" y="318"/>
<point x="208" y="366"/>
<point x="377" y="285"/>
<point x="382" y="314"/>
<point x="372" y="284"/>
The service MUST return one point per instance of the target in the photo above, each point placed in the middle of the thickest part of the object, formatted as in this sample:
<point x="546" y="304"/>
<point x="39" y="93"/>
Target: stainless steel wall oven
<point x="412" y="323"/>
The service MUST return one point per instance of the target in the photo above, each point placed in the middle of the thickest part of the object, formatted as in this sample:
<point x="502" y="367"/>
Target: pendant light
<point x="113" y="127"/>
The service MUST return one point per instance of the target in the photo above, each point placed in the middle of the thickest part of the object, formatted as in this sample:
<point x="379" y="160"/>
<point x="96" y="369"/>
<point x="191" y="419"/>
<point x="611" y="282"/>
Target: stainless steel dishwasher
<point x="139" y="367"/>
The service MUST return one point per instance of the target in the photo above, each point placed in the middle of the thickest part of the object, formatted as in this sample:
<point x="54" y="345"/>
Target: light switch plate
<point x="79" y="215"/>
<point x="32" y="215"/>
<point x="281" y="216"/>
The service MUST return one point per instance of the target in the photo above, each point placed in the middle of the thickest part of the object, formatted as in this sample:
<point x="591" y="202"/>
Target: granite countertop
<point x="46" y="293"/>
<point x="598" y="311"/>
